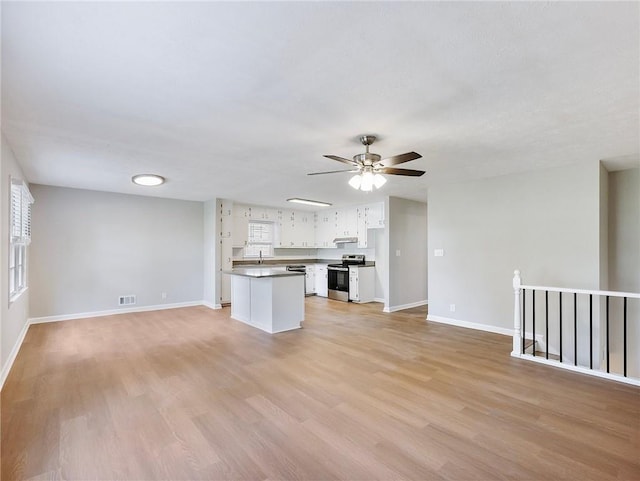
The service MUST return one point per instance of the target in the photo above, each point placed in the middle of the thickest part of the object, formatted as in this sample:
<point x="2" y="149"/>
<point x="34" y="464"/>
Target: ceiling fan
<point x="369" y="166"/>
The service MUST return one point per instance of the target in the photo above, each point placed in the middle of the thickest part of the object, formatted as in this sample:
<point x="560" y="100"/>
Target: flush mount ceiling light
<point x="369" y="167"/>
<point x="309" y="202"/>
<point x="148" y="180"/>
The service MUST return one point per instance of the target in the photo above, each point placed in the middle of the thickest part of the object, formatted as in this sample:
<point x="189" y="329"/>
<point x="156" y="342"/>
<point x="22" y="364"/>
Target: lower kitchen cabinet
<point x="362" y="283"/>
<point x="321" y="280"/>
<point x="310" y="280"/>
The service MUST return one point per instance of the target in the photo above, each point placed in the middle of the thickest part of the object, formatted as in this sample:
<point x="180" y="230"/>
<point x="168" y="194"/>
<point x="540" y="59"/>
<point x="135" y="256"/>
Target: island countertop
<point x="262" y="272"/>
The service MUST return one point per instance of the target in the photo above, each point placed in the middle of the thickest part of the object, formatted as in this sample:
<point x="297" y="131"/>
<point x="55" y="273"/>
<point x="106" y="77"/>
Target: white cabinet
<point x="347" y="222"/>
<point x="297" y="229"/>
<point x="325" y="229"/>
<point x="226" y="225"/>
<point x="240" y="234"/>
<point x="310" y="279"/>
<point x="263" y="213"/>
<point x="375" y="215"/>
<point x="321" y="280"/>
<point x="362" y="226"/>
<point x="361" y="284"/>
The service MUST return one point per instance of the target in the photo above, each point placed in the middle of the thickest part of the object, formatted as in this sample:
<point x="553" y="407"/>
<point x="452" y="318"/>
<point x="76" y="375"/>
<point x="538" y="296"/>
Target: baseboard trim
<point x="14" y="353"/>
<point x="405" y="306"/>
<point x="211" y="305"/>
<point x="470" y="325"/>
<point x="111" y="312"/>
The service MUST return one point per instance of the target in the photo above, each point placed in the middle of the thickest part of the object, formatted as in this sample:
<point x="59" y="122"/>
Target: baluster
<point x="606" y="320"/>
<point x="546" y="324"/>
<point x="624" y="335"/>
<point x="575" y="329"/>
<point x="524" y="319"/>
<point x="533" y="319"/>
<point x="590" y="331"/>
<point x="560" y="316"/>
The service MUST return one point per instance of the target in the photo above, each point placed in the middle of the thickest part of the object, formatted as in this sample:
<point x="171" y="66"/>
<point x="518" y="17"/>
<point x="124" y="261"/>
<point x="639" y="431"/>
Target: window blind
<point x="21" y="201"/>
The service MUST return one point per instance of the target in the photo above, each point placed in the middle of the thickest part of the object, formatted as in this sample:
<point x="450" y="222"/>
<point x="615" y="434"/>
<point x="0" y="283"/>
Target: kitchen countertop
<point x="258" y="272"/>
<point x="283" y="263"/>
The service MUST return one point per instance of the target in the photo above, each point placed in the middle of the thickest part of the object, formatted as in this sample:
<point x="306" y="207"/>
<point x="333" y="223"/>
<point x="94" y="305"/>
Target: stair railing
<point x="618" y="312"/>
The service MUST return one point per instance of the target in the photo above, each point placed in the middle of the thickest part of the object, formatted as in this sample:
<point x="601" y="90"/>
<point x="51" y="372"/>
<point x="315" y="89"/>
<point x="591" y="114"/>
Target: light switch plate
<point x="397" y="252"/>
<point x="438" y="252"/>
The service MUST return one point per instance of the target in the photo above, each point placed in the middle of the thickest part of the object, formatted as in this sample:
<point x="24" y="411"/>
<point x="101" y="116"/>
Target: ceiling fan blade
<point x="341" y="159"/>
<point x="409" y="172"/>
<point x="399" y="159"/>
<point x="332" y="172"/>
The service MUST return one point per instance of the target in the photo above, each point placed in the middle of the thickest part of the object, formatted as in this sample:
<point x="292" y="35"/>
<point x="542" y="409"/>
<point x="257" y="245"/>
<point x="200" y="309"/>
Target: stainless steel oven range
<point x="338" y="276"/>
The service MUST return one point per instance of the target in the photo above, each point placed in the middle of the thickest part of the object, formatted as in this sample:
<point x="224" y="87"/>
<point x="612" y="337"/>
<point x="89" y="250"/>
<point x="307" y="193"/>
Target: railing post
<point x="517" y="335"/>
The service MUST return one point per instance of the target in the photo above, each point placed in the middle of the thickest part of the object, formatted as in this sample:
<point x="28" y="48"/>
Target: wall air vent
<point x="126" y="300"/>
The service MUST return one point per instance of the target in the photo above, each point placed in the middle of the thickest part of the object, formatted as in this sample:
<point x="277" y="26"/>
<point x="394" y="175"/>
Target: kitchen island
<point x="270" y="299"/>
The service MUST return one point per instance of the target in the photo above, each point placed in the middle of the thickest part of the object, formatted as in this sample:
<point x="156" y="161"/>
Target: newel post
<point x="517" y="336"/>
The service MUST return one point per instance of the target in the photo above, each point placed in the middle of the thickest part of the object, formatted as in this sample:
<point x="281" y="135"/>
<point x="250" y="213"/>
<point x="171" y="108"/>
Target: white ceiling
<point x="241" y="100"/>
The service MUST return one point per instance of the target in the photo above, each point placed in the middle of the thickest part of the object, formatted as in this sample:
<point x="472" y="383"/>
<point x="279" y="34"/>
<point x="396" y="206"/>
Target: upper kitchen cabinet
<point x="297" y="229"/>
<point x="264" y="213"/>
<point x="375" y="215"/>
<point x="325" y="228"/>
<point x="347" y="222"/>
<point x="241" y="216"/>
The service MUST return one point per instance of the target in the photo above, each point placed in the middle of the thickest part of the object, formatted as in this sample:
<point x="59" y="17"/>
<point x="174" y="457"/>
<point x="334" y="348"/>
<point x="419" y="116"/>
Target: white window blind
<point x="260" y="240"/>
<point x="21" y="201"/>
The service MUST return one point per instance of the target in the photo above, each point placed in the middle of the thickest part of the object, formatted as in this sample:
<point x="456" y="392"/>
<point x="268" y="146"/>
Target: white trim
<point x="378" y="299"/>
<point x="583" y="291"/>
<point x="14" y="353"/>
<point x="211" y="305"/>
<point x="83" y="315"/>
<point x="405" y="306"/>
<point x="470" y="325"/>
<point x="580" y="369"/>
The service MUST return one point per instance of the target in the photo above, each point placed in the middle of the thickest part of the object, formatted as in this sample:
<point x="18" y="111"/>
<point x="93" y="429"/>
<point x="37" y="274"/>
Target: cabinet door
<point x="321" y="280"/>
<point x="353" y="284"/>
<point x="287" y="229"/>
<point x="325" y="229"/>
<point x="347" y="222"/>
<point x="375" y="215"/>
<point x="226" y="226"/>
<point x="226" y="207"/>
<point x="310" y="284"/>
<point x="240" y="231"/>
<point x="305" y="231"/>
<point x="362" y="226"/>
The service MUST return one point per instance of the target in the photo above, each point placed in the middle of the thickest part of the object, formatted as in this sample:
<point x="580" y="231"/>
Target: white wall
<point x="624" y="230"/>
<point x="211" y="294"/>
<point x="407" y="234"/>
<point x="14" y="316"/>
<point x="624" y="265"/>
<point x="90" y="247"/>
<point x="545" y="223"/>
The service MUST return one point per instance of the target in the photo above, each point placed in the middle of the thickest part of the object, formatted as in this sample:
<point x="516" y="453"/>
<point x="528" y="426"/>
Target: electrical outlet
<point x="397" y="252"/>
<point x="164" y="296"/>
<point x="452" y="307"/>
<point x="438" y="252"/>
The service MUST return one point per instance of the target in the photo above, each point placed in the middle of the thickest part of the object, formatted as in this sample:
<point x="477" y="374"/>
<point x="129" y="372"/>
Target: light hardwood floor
<point x="357" y="394"/>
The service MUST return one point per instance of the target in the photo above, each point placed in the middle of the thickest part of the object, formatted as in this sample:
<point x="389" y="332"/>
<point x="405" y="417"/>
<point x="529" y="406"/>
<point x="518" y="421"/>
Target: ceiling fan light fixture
<point x="379" y="180"/>
<point x="355" y="181"/>
<point x="148" y="180"/>
<point x="367" y="182"/>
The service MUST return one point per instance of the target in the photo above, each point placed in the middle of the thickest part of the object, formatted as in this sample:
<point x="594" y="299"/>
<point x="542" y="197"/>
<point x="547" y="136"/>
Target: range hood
<point x="345" y="240"/>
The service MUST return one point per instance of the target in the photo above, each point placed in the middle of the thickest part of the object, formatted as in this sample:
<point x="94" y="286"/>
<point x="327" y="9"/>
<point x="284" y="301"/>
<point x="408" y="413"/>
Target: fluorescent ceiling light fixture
<point x="148" y="180"/>
<point x="309" y="202"/>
